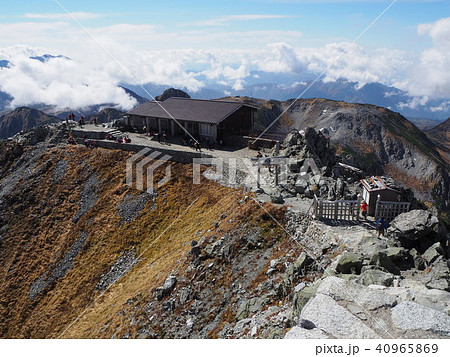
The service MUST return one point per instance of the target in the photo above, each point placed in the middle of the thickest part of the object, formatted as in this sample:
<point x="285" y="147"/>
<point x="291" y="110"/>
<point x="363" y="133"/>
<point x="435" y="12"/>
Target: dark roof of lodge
<point x="198" y="110"/>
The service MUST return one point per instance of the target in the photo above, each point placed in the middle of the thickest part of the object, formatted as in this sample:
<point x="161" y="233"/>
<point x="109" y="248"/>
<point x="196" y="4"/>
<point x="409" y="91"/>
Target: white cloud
<point x="192" y="66"/>
<point x="431" y="75"/>
<point x="59" y="81"/>
<point x="222" y="21"/>
<point x="443" y="107"/>
<point x="281" y="58"/>
<point x="63" y="16"/>
<point x="414" y="103"/>
<point x="357" y="64"/>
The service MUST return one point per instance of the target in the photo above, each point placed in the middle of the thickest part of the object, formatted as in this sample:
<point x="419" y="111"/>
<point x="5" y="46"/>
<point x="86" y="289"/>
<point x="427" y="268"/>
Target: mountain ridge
<point x="23" y="118"/>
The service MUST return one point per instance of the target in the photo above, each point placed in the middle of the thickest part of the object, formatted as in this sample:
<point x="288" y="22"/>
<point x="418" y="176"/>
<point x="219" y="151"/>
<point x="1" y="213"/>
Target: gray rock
<point x="302" y="261"/>
<point x="291" y="139"/>
<point x="349" y="262"/>
<point x="301" y="185"/>
<point x="167" y="288"/>
<point x="309" y="193"/>
<point x="411" y="316"/>
<point x="276" y="199"/>
<point x="299" y="287"/>
<point x="195" y="250"/>
<point x="375" y="277"/>
<point x="273" y="263"/>
<point x="215" y="248"/>
<point x="298" y="332"/>
<point x="432" y="253"/>
<point x="251" y="306"/>
<point x="335" y="320"/>
<point x="88" y="197"/>
<point x="357" y="311"/>
<point x="439" y="276"/>
<point x="382" y="260"/>
<point x="414" y="225"/>
<point x="366" y="297"/>
<point x="419" y="262"/>
<point x="415" y="291"/>
<point x="60" y="170"/>
<point x="396" y="254"/>
<point x="301" y="298"/>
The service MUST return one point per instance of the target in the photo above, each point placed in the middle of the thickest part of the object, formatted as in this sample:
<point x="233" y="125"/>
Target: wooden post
<point x="258" y="176"/>
<point x="377" y="207"/>
<point x="276" y="175"/>
<point x="358" y="207"/>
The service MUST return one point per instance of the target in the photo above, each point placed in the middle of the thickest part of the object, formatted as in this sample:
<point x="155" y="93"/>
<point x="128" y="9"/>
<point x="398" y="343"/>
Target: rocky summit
<point x="374" y="139"/>
<point x="85" y="254"/>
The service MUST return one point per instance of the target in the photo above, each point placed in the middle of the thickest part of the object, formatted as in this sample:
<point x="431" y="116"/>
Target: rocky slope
<point x="82" y="254"/>
<point x="23" y="118"/>
<point x="440" y="135"/>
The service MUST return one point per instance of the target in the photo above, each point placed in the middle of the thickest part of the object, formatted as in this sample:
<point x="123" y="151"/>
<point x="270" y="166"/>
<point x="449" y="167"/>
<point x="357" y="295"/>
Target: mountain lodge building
<point x="208" y="119"/>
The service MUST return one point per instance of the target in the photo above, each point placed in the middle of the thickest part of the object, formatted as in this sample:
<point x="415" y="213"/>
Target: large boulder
<point x="411" y="316"/>
<point x="301" y="298"/>
<point x="433" y="253"/>
<point x="414" y="225"/>
<point x="335" y="320"/>
<point x="375" y="277"/>
<point x="350" y="263"/>
<point x="439" y="276"/>
<point x="167" y="288"/>
<point x="291" y="139"/>
<point x="382" y="260"/>
<point x="369" y="298"/>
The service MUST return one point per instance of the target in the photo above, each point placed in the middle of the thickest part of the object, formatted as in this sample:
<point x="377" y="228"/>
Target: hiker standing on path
<point x="380" y="226"/>
<point x="159" y="137"/>
<point x="197" y="146"/>
<point x="364" y="206"/>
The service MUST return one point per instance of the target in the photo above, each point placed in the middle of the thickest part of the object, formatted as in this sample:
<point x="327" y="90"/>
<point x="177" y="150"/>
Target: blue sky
<point x="162" y="42"/>
<point x="319" y="22"/>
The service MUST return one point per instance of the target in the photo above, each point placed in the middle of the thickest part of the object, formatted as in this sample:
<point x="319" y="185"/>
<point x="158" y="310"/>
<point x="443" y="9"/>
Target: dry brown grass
<point x="42" y="233"/>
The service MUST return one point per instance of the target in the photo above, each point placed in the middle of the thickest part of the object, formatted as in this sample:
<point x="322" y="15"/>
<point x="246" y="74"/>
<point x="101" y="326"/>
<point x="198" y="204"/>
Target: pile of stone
<point x="313" y="168"/>
<point x="398" y="287"/>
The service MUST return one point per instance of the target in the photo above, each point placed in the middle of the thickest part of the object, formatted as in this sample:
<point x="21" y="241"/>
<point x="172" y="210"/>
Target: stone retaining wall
<point x="176" y="155"/>
<point x="93" y="135"/>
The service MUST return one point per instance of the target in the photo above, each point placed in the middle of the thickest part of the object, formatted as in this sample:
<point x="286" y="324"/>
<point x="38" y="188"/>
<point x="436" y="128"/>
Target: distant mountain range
<point x="371" y="93"/>
<point x="424" y="112"/>
<point x="23" y="118"/>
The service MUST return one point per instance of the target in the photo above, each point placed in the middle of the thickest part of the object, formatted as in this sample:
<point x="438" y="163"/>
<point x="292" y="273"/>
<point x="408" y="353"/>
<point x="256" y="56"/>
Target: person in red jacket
<point x="364" y="206"/>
